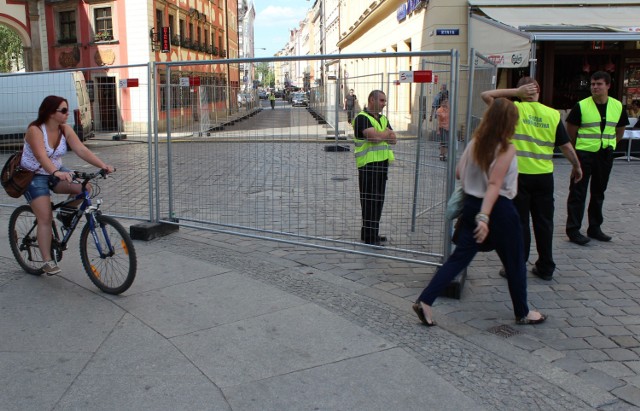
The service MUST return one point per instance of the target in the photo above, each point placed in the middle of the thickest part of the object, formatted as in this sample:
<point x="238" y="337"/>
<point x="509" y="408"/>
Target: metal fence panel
<point x="199" y="151"/>
<point x="284" y="174"/>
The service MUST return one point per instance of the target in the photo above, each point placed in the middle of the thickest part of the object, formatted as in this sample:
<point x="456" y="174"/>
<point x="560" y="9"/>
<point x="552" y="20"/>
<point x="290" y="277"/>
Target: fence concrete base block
<point x="148" y="231"/>
<point x="118" y="137"/>
<point x="454" y="289"/>
<point x="336" y="147"/>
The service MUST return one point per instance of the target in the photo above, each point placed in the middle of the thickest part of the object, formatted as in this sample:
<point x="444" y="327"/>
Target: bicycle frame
<point x="86" y="208"/>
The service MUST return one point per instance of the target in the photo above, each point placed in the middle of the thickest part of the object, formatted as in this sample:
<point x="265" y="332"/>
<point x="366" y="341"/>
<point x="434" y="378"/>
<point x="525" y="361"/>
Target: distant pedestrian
<point x="437" y="100"/>
<point x="350" y="105"/>
<point x="488" y="171"/>
<point x="372" y="136"/>
<point x="272" y="100"/>
<point x="594" y="125"/>
<point x="443" y="127"/>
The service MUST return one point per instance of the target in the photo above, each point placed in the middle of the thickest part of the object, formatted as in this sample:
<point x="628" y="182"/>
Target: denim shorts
<point x="41" y="185"/>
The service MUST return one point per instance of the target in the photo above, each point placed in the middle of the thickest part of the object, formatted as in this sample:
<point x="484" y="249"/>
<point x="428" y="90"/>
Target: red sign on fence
<point x="422" y="76"/>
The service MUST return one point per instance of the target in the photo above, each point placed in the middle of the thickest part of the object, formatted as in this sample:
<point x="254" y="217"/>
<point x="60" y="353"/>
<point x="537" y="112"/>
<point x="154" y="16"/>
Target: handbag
<point x="485" y="246"/>
<point x="455" y="204"/>
<point x="15" y="178"/>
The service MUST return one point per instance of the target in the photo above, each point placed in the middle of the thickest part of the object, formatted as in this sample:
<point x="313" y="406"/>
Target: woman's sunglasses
<point x="63" y="110"/>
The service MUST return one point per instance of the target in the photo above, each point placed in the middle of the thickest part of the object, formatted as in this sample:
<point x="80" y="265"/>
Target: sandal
<point x="417" y="308"/>
<point x="528" y="321"/>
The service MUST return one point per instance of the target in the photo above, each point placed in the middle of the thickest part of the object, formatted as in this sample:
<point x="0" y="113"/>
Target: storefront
<point x="561" y="46"/>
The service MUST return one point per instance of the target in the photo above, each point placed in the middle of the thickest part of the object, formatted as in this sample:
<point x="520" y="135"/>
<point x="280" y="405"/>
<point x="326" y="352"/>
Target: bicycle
<point x="109" y="260"/>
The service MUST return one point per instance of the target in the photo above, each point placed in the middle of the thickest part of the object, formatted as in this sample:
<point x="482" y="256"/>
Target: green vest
<point x="535" y="137"/>
<point x="367" y="152"/>
<point x="590" y="137"/>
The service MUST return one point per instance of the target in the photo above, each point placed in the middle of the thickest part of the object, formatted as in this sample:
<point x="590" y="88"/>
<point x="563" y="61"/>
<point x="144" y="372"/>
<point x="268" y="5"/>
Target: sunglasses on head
<point x="63" y="110"/>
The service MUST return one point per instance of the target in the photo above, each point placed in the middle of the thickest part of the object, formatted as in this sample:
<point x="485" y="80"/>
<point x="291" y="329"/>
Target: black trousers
<point x="372" y="181"/>
<point x="596" y="167"/>
<point x="535" y="199"/>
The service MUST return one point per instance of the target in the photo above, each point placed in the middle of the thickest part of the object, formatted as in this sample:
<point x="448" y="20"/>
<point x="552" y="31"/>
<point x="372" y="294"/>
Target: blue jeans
<point x="505" y="234"/>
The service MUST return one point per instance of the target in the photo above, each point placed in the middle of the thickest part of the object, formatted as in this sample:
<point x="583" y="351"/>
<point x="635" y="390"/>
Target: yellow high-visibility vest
<point x="368" y="152"/>
<point x="535" y="137"/>
<point x="590" y="137"/>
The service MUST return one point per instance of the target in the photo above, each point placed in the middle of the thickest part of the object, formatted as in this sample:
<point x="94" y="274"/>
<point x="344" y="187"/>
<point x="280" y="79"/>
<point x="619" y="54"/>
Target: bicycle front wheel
<point x="108" y="256"/>
<point x="23" y="240"/>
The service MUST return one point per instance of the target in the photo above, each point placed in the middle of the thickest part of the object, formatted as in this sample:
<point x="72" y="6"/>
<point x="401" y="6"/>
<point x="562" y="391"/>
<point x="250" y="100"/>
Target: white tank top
<point x="29" y="160"/>
<point x="475" y="181"/>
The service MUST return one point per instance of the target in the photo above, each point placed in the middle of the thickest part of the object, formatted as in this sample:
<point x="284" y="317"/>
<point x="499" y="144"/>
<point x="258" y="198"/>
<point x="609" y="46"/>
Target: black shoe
<point x="546" y="277"/>
<point x="379" y="239"/>
<point x="578" y="238"/>
<point x="502" y="273"/>
<point x="369" y="242"/>
<point x="598" y="235"/>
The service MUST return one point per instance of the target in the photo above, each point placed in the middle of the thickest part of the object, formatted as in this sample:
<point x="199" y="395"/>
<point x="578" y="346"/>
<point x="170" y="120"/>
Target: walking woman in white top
<point x="489" y="174"/>
<point x="45" y="143"/>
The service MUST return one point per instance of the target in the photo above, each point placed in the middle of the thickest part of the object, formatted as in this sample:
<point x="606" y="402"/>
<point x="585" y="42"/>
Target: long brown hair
<point x="494" y="132"/>
<point x="48" y="107"/>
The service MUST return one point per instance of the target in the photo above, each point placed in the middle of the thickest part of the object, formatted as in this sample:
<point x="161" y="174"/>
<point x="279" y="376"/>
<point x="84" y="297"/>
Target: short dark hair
<point x="527" y="80"/>
<point x="374" y="94"/>
<point x="601" y="75"/>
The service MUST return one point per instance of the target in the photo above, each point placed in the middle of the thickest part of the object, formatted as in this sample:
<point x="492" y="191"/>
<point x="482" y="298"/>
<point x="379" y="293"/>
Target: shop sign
<point x="165" y="40"/>
<point x="509" y="60"/>
<point x="409" y="7"/>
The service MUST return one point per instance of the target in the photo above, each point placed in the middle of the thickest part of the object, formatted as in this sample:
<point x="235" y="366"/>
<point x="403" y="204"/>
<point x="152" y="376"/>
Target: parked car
<point x="22" y="93"/>
<point x="262" y="95"/>
<point x="278" y="93"/>
<point x="299" y="99"/>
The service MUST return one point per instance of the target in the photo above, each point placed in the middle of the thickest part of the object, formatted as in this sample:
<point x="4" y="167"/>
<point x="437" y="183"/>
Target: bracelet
<point x="54" y="173"/>
<point x="482" y="217"/>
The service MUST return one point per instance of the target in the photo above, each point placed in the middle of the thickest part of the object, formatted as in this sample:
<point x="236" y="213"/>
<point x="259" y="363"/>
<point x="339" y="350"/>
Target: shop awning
<point x="505" y="34"/>
<point x="570" y="23"/>
<point x="505" y="46"/>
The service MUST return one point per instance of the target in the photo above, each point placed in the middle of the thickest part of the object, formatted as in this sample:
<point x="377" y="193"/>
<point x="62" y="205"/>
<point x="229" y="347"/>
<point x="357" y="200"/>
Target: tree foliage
<point x="11" y="53"/>
<point x="263" y="71"/>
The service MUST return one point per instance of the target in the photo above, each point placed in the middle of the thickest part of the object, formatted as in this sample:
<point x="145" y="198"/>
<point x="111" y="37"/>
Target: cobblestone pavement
<point x="586" y="355"/>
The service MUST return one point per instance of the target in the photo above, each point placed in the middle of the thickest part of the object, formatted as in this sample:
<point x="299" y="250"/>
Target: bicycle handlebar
<point x="90" y="176"/>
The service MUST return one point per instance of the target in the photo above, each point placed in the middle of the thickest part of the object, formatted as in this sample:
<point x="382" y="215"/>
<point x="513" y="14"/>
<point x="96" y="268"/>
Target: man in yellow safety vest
<point x="538" y="131"/>
<point x="372" y="136"/>
<point x="595" y="125"/>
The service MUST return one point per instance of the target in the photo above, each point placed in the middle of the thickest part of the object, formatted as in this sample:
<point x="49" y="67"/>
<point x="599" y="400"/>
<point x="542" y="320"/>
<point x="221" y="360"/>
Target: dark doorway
<point x="107" y="119"/>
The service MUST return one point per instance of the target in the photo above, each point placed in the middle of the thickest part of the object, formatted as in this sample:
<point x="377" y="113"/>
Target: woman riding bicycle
<point x="45" y="143"/>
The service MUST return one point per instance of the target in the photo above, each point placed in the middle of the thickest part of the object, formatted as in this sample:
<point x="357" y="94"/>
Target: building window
<point x="158" y="19"/>
<point x="67" y="27"/>
<point x="103" y="24"/>
<point x="171" y="23"/>
<point x="182" y="29"/>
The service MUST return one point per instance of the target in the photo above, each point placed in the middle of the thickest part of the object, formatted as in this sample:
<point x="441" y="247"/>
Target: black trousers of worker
<point x="372" y="181"/>
<point x="597" y="168"/>
<point x="535" y="199"/>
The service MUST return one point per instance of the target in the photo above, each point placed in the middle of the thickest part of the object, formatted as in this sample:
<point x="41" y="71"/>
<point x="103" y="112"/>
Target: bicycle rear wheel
<point x="111" y="270"/>
<point x="23" y="241"/>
